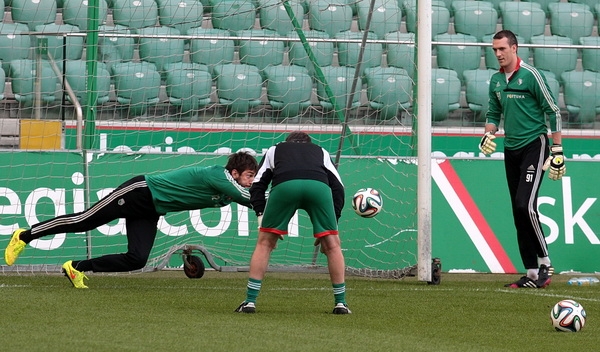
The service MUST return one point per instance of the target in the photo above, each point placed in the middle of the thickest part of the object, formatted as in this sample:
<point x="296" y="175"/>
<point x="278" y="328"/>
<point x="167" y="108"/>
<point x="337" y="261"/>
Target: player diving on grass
<point x="301" y="176"/>
<point x="141" y="201"/>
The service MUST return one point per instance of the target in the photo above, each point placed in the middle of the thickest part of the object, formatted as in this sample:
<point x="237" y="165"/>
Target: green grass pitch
<point x="165" y="311"/>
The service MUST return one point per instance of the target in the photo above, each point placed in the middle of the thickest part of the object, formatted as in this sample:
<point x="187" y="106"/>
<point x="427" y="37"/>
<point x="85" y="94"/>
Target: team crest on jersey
<point x="121" y="201"/>
<point x="520" y="81"/>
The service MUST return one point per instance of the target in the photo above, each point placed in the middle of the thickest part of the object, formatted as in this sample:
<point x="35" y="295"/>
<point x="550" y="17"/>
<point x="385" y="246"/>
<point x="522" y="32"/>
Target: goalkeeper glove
<point x="556" y="163"/>
<point x="487" y="144"/>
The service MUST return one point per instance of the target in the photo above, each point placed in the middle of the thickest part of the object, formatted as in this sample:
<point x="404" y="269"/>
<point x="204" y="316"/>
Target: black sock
<point x="82" y="265"/>
<point x="26" y="237"/>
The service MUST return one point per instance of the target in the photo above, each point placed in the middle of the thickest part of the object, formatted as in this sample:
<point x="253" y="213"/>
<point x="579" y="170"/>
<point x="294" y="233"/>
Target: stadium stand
<point x="137" y="86"/>
<point x="75" y="12"/>
<point x="476" y="18"/>
<point x="582" y="95"/>
<point x="239" y="87"/>
<point x="329" y="16"/>
<point x="544" y="4"/>
<point x="233" y="15"/>
<point x="76" y="69"/>
<point x="401" y="55"/>
<point x="211" y="52"/>
<point x="260" y="53"/>
<point x="156" y="48"/>
<point x="273" y="16"/>
<point x="188" y="86"/>
<point x="73" y="46"/>
<point x="135" y="14"/>
<point x="590" y="58"/>
<point x="180" y="14"/>
<point x="22" y="74"/>
<point x="445" y="90"/>
<point x="33" y="12"/>
<point x="440" y="17"/>
<point x="571" y="20"/>
<point x="113" y="49"/>
<point x="458" y="57"/>
<point x="348" y="52"/>
<point x="13" y="46"/>
<point x="289" y="89"/>
<point x="525" y="19"/>
<point x="555" y="60"/>
<point x="385" y="18"/>
<point x="389" y="91"/>
<point x="339" y="80"/>
<point x="477" y="83"/>
<point x="322" y="50"/>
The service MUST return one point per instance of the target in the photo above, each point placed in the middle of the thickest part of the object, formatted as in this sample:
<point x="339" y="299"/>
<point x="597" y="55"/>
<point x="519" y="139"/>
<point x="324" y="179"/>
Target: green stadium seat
<point x="188" y="86"/>
<point x="2" y="83"/>
<point x="260" y="53"/>
<point x="389" y="91"/>
<point x="477" y="84"/>
<point x="289" y="89"/>
<point x="76" y="75"/>
<point x="555" y="60"/>
<point x="440" y="18"/>
<point x="544" y="4"/>
<point x="160" y="51"/>
<point x="490" y="58"/>
<point x="239" y="88"/>
<point x="339" y="79"/>
<point x="112" y="49"/>
<point x="233" y="15"/>
<point x="458" y="57"/>
<point x="582" y="95"/>
<point x="137" y="85"/>
<point x="33" y="12"/>
<point x="180" y="14"/>
<point x="386" y="16"/>
<point x="323" y="51"/>
<point x="571" y="20"/>
<point x="329" y="16"/>
<point x="593" y="4"/>
<point x="525" y="19"/>
<point x="273" y="15"/>
<point x="74" y="12"/>
<point x="401" y="55"/>
<point x="590" y="58"/>
<point x="135" y="14"/>
<point x="445" y="91"/>
<point x="458" y="4"/>
<point x="23" y="76"/>
<point x="348" y="52"/>
<point x="56" y="43"/>
<point x="596" y="9"/>
<point x="210" y="51"/>
<point x="553" y="83"/>
<point x="478" y="19"/>
<point x="13" y="46"/>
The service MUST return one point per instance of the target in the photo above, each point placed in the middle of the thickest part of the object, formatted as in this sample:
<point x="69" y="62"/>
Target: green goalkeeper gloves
<point x="487" y="144"/>
<point x="555" y="163"/>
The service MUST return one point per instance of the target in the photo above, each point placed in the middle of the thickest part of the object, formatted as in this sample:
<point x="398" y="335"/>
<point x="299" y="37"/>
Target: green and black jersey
<point x="195" y="188"/>
<point x="524" y="101"/>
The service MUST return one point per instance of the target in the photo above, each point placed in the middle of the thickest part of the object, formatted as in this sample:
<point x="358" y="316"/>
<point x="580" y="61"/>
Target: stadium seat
<point x="72" y="45"/>
<point x="458" y="57"/>
<point x="386" y="16"/>
<point x="289" y="89"/>
<point x="13" y="46"/>
<point x="555" y="60"/>
<point x="323" y="51"/>
<point x="273" y="15"/>
<point x="160" y="51"/>
<point x="239" y="88"/>
<point x="544" y="4"/>
<point x="490" y="58"/>
<point x="593" y="4"/>
<point x="458" y="4"/>
<point x="339" y="79"/>
<point x="137" y="85"/>
<point x="180" y="14"/>
<point x="525" y="19"/>
<point x="33" y="12"/>
<point x="260" y="53"/>
<point x="23" y="74"/>
<point x="552" y="83"/>
<point x="74" y="12"/>
<point x="135" y="14"/>
<point x="2" y="82"/>
<point x="582" y="95"/>
<point x="233" y="15"/>
<point x="389" y="91"/>
<point x="188" y="86"/>
<point x="477" y="84"/>
<point x="445" y="90"/>
<point x="348" y="52"/>
<point x="111" y="49"/>
<point x="590" y="58"/>
<point x="401" y="55"/>
<point x="211" y="52"/>
<point x="76" y="75"/>
<point x="571" y="20"/>
<point x="329" y="16"/>
<point x="477" y="18"/>
<point x="440" y="17"/>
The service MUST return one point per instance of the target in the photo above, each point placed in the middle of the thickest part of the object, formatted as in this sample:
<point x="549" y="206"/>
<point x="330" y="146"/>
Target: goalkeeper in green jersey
<point x="141" y="201"/>
<point x="520" y="93"/>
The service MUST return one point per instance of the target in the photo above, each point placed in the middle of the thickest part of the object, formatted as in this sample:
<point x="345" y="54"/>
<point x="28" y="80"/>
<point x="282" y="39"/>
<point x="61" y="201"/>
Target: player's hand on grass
<point x="487" y="144"/>
<point x="555" y="164"/>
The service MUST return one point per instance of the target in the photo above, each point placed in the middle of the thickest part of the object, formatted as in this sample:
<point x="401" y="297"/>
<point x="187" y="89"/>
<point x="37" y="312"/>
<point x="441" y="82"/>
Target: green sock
<point x="253" y="289"/>
<point x="339" y="293"/>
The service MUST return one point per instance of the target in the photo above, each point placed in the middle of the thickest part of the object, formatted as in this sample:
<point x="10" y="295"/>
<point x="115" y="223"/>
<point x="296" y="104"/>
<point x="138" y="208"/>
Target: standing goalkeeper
<point x="521" y="94"/>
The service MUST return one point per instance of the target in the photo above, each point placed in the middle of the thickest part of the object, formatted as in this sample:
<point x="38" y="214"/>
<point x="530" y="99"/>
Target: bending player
<point x="141" y="201"/>
<point x="301" y="176"/>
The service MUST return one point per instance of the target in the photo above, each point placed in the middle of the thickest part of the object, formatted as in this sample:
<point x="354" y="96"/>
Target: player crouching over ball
<point x="141" y="201"/>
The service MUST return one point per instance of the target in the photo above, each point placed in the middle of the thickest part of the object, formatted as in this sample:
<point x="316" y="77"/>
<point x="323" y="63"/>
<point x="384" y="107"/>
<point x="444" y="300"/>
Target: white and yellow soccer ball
<point x="367" y="202"/>
<point x="568" y="315"/>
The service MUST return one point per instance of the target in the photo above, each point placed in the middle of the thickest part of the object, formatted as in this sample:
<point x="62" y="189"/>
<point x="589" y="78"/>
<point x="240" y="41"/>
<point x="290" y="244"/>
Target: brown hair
<point x="298" y="137"/>
<point x="241" y="161"/>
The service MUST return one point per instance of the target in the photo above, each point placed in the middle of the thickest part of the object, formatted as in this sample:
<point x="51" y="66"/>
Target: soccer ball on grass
<point x="367" y="202"/>
<point x="568" y="315"/>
